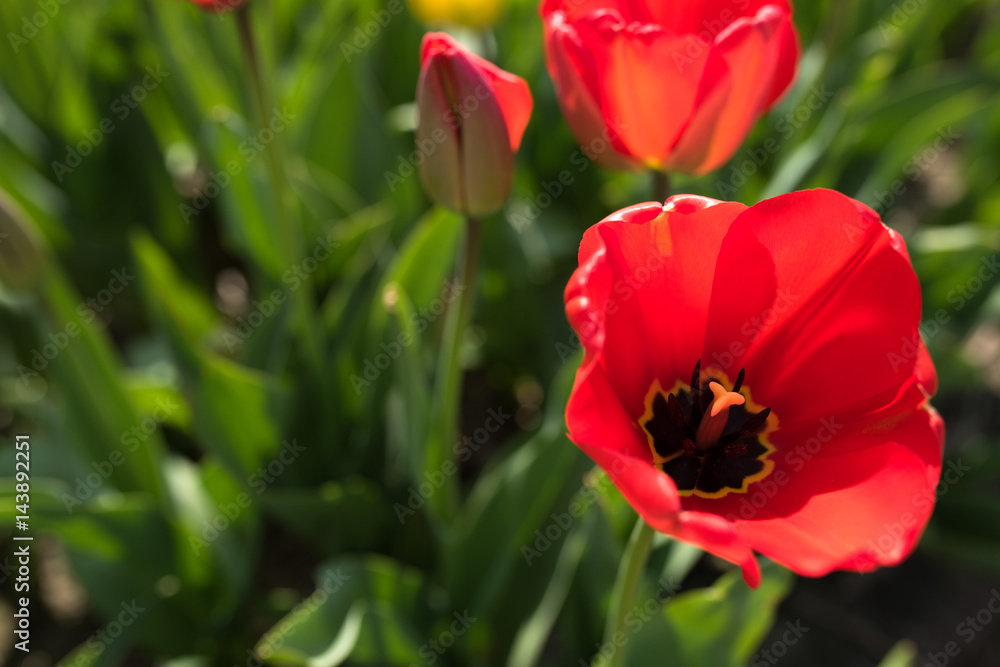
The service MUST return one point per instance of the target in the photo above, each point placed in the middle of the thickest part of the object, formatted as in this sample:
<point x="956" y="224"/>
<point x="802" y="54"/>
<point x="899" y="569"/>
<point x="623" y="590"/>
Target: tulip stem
<point x="661" y="185"/>
<point x="630" y="571"/>
<point x="450" y="367"/>
<point x="287" y="229"/>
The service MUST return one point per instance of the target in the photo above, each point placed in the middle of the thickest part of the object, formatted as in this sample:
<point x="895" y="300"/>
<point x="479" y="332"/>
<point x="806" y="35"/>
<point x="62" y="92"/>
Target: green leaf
<point x="188" y="316"/>
<point x="98" y="654"/>
<point x="232" y="414"/>
<point x="496" y="533"/>
<point x="423" y="263"/>
<point x="534" y="632"/>
<point x="363" y="609"/>
<point x="232" y="406"/>
<point x="98" y="411"/>
<point x="338" y="517"/>
<point x="903" y="654"/>
<point x="719" y="626"/>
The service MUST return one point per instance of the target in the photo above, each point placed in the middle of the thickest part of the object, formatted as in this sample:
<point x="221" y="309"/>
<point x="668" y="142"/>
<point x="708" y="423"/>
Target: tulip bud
<point x="23" y="254"/>
<point x="469" y="13"/>
<point x="472" y="117"/>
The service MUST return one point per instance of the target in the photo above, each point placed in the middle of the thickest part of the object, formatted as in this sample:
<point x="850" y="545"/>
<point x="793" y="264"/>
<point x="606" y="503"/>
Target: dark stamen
<point x="755" y="423"/>
<point x="739" y="381"/>
<point x="696" y="409"/>
<point x="705" y="454"/>
<point x="696" y="383"/>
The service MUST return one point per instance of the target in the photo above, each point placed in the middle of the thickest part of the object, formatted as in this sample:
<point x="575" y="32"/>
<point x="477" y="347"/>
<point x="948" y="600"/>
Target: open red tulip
<point x="472" y="117"/>
<point x="673" y="86"/>
<point x="754" y="378"/>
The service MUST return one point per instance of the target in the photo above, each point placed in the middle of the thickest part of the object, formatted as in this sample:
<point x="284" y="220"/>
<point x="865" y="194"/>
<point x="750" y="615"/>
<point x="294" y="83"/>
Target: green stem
<point x="661" y="185"/>
<point x="449" y="396"/>
<point x="630" y="571"/>
<point x="287" y="231"/>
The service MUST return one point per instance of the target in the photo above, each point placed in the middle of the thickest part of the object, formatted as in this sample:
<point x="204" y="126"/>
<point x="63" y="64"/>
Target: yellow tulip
<point x="471" y="13"/>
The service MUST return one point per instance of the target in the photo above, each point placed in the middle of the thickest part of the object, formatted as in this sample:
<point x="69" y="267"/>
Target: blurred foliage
<point x="211" y="364"/>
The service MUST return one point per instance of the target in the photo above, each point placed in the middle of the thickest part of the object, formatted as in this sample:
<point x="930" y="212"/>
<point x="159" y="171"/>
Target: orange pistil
<point x="714" y="422"/>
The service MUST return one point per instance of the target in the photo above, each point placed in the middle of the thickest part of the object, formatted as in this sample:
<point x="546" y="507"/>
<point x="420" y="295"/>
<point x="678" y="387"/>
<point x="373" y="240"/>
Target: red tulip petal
<point x="875" y="519"/>
<point x="925" y="371"/>
<point x="440" y="172"/>
<point x="647" y="87"/>
<point x="571" y="66"/>
<point x="639" y="295"/>
<point x="596" y="420"/>
<point x="718" y="536"/>
<point x="853" y="427"/>
<point x="511" y="91"/>
<point x="786" y="65"/>
<point x="573" y="9"/>
<point x="486" y="155"/>
<point x="704" y="18"/>
<point x="735" y="89"/>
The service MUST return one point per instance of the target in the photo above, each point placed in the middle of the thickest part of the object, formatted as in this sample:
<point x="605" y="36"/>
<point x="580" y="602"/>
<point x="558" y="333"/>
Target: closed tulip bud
<point x="470" y="13"/>
<point x="472" y="117"/>
<point x="23" y="254"/>
<point x="674" y="86"/>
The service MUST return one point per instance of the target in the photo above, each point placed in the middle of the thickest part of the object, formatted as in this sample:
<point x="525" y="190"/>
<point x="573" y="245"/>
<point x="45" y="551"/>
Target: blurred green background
<point x="200" y="326"/>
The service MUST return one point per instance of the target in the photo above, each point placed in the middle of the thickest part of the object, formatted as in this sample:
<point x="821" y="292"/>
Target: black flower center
<point x="710" y="440"/>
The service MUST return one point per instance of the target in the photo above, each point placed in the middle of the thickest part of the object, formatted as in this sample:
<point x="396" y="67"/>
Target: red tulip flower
<point x="673" y="86"/>
<point x="754" y="378"/>
<point x="472" y="117"/>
